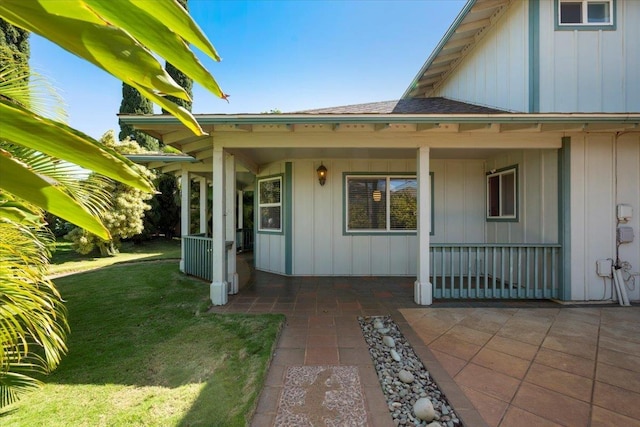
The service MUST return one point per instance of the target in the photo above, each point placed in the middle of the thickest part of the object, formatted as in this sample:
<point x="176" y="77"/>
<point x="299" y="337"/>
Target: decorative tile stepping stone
<point x="321" y="396"/>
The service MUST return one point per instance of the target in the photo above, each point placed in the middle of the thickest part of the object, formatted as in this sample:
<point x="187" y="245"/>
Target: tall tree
<point x="134" y="103"/>
<point x="33" y="146"/>
<point x="185" y="82"/>
<point x="16" y="41"/>
<point x="128" y="206"/>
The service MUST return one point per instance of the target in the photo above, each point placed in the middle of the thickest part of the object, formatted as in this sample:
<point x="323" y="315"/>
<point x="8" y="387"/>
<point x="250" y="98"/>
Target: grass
<point x="143" y="352"/>
<point x="65" y="260"/>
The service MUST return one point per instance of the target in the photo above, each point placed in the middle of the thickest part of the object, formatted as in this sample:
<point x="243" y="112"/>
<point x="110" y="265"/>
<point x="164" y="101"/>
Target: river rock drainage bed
<point x="414" y="399"/>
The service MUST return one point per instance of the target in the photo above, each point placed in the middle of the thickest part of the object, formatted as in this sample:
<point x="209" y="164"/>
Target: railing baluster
<point x="544" y="274"/>
<point x="469" y="272"/>
<point x="535" y="272"/>
<point x="519" y="273"/>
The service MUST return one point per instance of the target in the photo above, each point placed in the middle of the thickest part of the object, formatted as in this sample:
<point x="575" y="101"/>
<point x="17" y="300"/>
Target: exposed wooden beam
<point x="473" y="25"/>
<point x="246" y="161"/>
<point x="595" y="127"/>
<point x="206" y="154"/>
<point x="458" y="43"/>
<point x="446" y="58"/>
<point x="196" y="146"/>
<point x="488" y="4"/>
<point x="428" y="81"/>
<point x="436" y="70"/>
<point x="178" y="136"/>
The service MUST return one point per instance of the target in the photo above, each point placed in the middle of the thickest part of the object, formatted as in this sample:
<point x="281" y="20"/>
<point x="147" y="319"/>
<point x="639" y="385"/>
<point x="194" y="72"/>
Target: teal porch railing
<point x="483" y="270"/>
<point x="198" y="256"/>
<point x="512" y="271"/>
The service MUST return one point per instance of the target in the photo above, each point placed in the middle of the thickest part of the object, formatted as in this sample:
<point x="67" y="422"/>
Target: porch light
<point x="377" y="195"/>
<point x="322" y="174"/>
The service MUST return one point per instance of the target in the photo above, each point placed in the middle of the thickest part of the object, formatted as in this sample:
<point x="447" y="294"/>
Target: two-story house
<point x="510" y="167"/>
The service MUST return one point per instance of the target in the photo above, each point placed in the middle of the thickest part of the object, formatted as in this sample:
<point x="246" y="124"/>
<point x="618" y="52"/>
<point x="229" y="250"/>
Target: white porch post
<point x="185" y="217"/>
<point x="218" y="289"/>
<point x="230" y="202"/>
<point x="203" y="206"/>
<point x="423" y="289"/>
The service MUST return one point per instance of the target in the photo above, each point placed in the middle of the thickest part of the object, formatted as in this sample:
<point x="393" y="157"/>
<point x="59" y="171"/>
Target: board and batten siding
<point x="590" y="71"/>
<point x="496" y="72"/>
<point x="537" y="197"/>
<point x="605" y="171"/>
<point x="320" y="247"/>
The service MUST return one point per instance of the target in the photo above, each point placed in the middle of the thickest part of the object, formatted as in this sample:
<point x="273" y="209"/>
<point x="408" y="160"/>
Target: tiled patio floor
<point x="509" y="363"/>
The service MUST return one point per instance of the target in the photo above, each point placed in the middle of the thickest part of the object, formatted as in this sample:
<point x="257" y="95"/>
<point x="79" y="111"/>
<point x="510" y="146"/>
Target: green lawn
<point x="144" y="352"/>
<point x="65" y="260"/>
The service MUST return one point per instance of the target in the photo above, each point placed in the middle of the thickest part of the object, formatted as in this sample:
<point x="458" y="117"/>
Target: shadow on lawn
<point x="143" y="325"/>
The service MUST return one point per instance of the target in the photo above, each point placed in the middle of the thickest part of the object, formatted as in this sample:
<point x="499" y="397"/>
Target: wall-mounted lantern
<point x="322" y="174"/>
<point x="377" y="195"/>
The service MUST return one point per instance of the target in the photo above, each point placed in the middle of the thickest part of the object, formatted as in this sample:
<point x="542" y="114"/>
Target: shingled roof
<point x="436" y="105"/>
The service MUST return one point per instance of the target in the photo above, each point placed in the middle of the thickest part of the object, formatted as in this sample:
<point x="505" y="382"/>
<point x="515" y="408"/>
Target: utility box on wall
<point x="624" y="234"/>
<point x="624" y="212"/>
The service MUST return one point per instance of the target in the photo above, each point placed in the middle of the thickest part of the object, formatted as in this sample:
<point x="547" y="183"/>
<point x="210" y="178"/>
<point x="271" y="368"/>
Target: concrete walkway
<point x="511" y="363"/>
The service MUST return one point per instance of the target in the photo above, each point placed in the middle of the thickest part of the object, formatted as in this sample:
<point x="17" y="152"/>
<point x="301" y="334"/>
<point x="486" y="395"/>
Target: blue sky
<point x="287" y="55"/>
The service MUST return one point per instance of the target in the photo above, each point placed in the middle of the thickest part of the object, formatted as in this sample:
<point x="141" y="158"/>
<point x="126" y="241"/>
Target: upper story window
<point x="270" y="204"/>
<point x="502" y="196"/>
<point x="585" y="14"/>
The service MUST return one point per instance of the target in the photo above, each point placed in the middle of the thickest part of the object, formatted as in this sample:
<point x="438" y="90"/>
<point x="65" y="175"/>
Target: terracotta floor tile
<point x="582" y="314"/>
<point x="490" y="409"/>
<point x="469" y="335"/>
<point x="628" y="347"/>
<point x="322" y="356"/>
<point x="455" y="347"/>
<point x="516" y="417"/>
<point x="625" y="331"/>
<point x="487" y="381"/>
<point x="486" y="321"/>
<point x="617" y="399"/>
<point x="288" y="356"/>
<point x="353" y="356"/>
<point x="524" y="330"/>
<point x="513" y="347"/>
<point x="450" y="316"/>
<point x="553" y="406"/>
<point x="568" y="346"/>
<point x="577" y="331"/>
<point x="560" y="381"/>
<point x="601" y="417"/>
<point x="619" y="377"/>
<point x="567" y="362"/>
<point x="451" y="364"/>
<point x="427" y="337"/>
<point x="293" y="341"/>
<point x="620" y="314"/>
<point x="432" y="326"/>
<point x="502" y="362"/>
<point x="538" y="313"/>
<point x="621" y="360"/>
<point x="321" y="321"/>
<point x="326" y="340"/>
<point x="351" y="341"/>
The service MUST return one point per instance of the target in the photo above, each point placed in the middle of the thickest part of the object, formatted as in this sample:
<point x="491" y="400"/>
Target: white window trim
<point x="585" y="15"/>
<point x="269" y="205"/>
<point x="387" y="229"/>
<point x="500" y="173"/>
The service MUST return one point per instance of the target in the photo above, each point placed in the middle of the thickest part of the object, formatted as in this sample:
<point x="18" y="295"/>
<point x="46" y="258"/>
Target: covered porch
<point x="459" y="247"/>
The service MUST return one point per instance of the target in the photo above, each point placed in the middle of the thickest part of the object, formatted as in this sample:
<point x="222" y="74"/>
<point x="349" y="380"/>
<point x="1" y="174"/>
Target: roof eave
<point x="450" y="32"/>
<point x="207" y="119"/>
